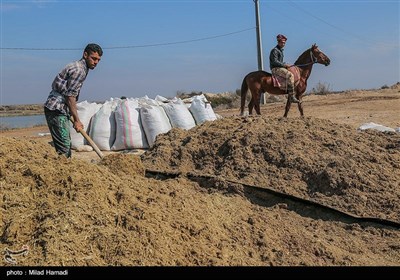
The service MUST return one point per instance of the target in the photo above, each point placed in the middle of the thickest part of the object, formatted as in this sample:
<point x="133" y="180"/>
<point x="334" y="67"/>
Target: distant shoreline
<point x="21" y="110"/>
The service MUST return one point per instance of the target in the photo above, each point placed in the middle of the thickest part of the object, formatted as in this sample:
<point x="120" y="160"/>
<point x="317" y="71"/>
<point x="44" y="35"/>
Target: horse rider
<point x="280" y="68"/>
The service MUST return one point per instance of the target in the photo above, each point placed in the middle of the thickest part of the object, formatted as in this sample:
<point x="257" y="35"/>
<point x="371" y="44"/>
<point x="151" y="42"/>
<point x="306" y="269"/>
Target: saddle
<point x="281" y="82"/>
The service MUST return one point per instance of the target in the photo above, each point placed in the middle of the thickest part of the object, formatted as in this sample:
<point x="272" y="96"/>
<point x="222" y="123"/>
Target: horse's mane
<point x="303" y="58"/>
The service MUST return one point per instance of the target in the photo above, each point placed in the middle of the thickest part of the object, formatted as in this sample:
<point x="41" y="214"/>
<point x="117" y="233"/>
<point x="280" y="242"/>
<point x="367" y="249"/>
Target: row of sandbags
<point x="134" y="123"/>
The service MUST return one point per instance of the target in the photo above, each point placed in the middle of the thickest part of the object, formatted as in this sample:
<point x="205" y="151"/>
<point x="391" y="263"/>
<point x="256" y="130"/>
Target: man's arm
<point x="71" y="103"/>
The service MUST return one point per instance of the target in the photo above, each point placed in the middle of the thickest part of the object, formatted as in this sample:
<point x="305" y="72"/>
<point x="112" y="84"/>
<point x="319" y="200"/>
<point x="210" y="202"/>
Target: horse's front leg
<point x="287" y="107"/>
<point x="300" y="106"/>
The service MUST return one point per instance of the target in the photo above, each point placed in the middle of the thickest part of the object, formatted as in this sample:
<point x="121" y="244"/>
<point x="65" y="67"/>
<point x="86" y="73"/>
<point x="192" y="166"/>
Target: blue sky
<point x="162" y="47"/>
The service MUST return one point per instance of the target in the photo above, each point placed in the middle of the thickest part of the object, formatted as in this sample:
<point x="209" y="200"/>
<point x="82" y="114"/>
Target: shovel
<point x="90" y="141"/>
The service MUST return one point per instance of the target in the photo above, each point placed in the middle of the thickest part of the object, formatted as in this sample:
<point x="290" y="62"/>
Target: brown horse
<point x="259" y="82"/>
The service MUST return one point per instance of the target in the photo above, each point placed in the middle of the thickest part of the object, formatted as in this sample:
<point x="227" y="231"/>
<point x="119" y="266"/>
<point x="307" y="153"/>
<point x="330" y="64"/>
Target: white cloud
<point x="5" y="7"/>
<point x="9" y="7"/>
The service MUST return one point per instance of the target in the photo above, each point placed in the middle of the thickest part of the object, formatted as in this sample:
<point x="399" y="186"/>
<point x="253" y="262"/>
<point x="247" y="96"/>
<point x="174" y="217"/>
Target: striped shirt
<point x="67" y="83"/>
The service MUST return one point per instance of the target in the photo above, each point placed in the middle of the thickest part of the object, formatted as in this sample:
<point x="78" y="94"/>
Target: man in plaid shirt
<point x="61" y="102"/>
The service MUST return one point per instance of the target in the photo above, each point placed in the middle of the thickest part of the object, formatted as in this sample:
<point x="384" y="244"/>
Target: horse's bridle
<point x="313" y="60"/>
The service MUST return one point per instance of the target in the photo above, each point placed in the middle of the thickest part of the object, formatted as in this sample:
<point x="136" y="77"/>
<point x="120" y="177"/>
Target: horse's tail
<point x="243" y="94"/>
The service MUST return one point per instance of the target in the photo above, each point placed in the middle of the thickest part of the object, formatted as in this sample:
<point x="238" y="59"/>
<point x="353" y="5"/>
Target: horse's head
<point x="319" y="56"/>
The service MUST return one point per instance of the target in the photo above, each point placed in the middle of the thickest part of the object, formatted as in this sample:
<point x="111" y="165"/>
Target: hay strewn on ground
<point x="71" y="212"/>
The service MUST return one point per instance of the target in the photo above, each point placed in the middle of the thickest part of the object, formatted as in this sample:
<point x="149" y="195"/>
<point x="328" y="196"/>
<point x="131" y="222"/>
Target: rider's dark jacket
<point x="276" y="57"/>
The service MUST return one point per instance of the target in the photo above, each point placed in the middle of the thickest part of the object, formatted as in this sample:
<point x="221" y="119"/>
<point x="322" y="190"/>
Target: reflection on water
<point x="22" y="121"/>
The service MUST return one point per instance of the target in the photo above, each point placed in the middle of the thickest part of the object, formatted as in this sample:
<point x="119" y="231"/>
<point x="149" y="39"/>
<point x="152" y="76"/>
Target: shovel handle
<point x="90" y="141"/>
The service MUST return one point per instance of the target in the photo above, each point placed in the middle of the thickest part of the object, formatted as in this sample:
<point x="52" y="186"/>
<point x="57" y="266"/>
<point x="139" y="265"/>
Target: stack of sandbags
<point x="134" y="123"/>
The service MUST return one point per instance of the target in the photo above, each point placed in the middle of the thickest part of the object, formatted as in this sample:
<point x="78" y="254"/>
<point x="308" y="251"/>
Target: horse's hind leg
<point x="251" y="106"/>
<point x="300" y="106"/>
<point x="257" y="105"/>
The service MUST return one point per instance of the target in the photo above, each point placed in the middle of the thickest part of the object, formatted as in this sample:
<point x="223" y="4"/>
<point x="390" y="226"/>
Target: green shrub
<point x="222" y="100"/>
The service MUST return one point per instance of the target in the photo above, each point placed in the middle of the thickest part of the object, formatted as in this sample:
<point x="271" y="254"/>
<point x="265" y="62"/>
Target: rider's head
<point x="281" y="40"/>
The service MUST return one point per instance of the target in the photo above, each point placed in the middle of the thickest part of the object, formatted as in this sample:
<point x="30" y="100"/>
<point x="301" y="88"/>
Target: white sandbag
<point x="397" y="129"/>
<point x="129" y="131"/>
<point x="84" y="148"/>
<point x="202" y="110"/>
<point x="154" y="121"/>
<point x="148" y="101"/>
<point x="161" y="99"/>
<point x="375" y="126"/>
<point x="179" y="115"/>
<point x="188" y="101"/>
<point x="85" y="112"/>
<point x="102" y="126"/>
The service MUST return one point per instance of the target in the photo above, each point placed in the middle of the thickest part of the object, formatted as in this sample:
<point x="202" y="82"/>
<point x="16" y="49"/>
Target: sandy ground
<point x="253" y="191"/>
